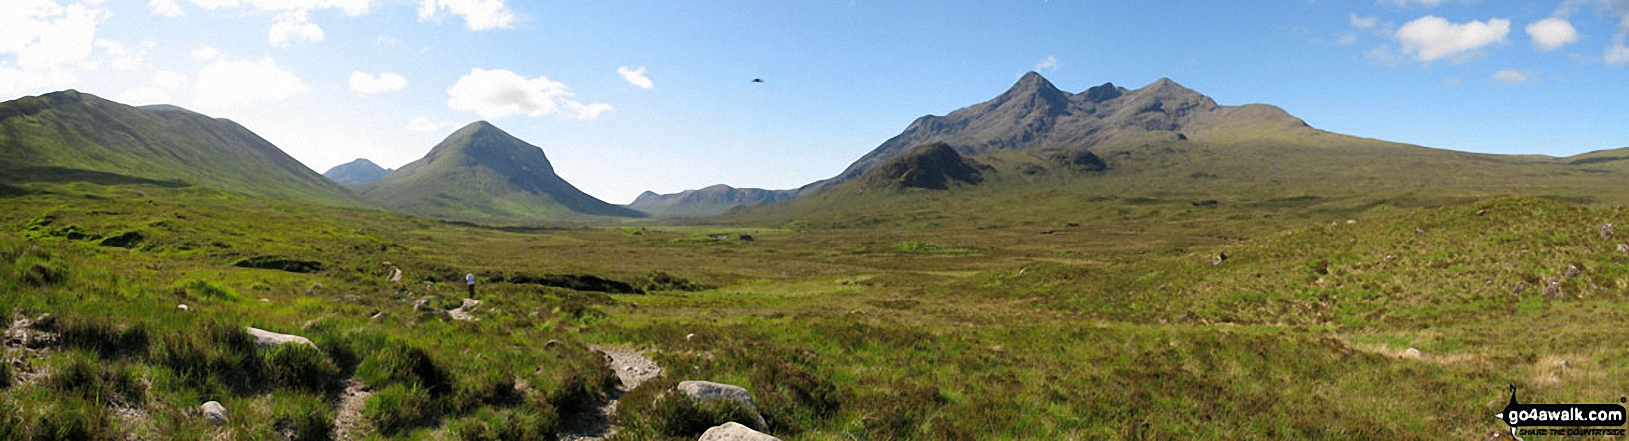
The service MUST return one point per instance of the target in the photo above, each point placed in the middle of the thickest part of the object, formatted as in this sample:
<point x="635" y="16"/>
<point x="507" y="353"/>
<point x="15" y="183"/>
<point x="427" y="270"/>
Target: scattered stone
<point x="710" y="391"/>
<point x="1218" y="258"/>
<point x="215" y="413"/>
<point x="1564" y="365"/>
<point x="689" y="336"/>
<point x="1520" y="286"/>
<point x="183" y="307"/>
<point x="733" y="431"/>
<point x="1418" y="230"/>
<point x="1413" y="354"/>
<point x="1351" y="221"/>
<point x="423" y="305"/>
<point x="1623" y="247"/>
<point x="1389" y="258"/>
<point x="265" y="300"/>
<point x="1552" y="288"/>
<point x="377" y="315"/>
<point x="1605" y="231"/>
<point x="1571" y="272"/>
<point x="551" y="343"/>
<point x="462" y="312"/>
<point x="313" y="289"/>
<point x="1481" y="212"/>
<point x="266" y="338"/>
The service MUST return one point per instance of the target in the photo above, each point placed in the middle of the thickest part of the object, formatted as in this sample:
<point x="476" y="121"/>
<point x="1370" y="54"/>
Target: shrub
<point x="306" y="417"/>
<point x="396" y="363"/>
<point x="88" y="379"/>
<point x="656" y="409"/>
<point x="73" y="419"/>
<point x="105" y="338"/>
<point x="301" y="367"/>
<point x="42" y="274"/>
<point x="397" y="408"/>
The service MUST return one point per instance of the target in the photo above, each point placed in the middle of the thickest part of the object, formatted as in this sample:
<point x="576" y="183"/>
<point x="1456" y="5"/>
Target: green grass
<point x="1098" y="318"/>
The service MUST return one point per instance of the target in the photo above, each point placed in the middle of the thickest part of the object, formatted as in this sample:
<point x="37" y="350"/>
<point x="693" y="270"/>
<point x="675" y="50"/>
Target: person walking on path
<point x="470" y="280"/>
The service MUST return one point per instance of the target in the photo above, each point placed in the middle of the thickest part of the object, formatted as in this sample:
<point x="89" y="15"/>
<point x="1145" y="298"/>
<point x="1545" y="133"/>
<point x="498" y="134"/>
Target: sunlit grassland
<point x="1085" y="318"/>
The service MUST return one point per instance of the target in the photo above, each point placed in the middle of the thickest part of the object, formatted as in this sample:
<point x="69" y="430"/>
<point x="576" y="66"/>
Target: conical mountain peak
<point x="1033" y="83"/>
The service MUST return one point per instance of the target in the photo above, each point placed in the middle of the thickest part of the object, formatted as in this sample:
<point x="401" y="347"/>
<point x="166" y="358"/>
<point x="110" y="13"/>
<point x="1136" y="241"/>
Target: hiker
<point x="470" y="279"/>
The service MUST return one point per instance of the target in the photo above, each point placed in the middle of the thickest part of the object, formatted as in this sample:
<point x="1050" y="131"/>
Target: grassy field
<point x="1078" y="317"/>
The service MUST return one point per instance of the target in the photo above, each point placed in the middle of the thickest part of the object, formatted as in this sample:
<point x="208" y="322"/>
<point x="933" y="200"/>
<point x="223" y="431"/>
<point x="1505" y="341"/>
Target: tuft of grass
<point x="201" y="290"/>
<point x="89" y="379"/>
<point x="919" y="247"/>
<point x="398" y="408"/>
<point x="105" y="337"/>
<point x="304" y="416"/>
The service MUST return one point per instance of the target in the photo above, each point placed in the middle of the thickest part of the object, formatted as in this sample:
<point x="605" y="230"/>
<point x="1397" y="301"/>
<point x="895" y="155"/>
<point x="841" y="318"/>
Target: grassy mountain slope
<point x="481" y="173"/>
<point x="66" y="136"/>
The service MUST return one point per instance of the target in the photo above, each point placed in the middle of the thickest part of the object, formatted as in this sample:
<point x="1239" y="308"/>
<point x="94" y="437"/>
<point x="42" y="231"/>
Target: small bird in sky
<point x="757" y="80"/>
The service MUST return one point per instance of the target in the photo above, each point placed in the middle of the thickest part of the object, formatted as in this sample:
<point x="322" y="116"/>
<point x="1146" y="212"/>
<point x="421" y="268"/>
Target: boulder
<point x="1412" y="353"/>
<point x="733" y="431"/>
<point x="268" y="338"/>
<point x="215" y="413"/>
<point x="709" y="391"/>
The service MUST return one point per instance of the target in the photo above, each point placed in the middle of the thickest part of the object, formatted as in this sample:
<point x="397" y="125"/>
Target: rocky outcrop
<point x="733" y="431"/>
<point x="707" y="391"/>
<point x="266" y="338"/>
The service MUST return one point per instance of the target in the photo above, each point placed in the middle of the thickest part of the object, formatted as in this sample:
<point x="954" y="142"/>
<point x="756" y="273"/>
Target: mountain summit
<point x="1034" y="113"/>
<point x="360" y="171"/>
<point x="482" y="173"/>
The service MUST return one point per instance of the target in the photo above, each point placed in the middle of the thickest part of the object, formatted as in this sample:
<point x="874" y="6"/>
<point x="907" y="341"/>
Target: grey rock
<point x="215" y="413"/>
<point x="267" y="338"/>
<point x="710" y="391"/>
<point x="1413" y="354"/>
<point x="733" y="431"/>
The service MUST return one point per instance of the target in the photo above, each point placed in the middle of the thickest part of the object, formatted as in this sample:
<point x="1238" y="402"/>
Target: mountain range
<point x="1029" y="143"/>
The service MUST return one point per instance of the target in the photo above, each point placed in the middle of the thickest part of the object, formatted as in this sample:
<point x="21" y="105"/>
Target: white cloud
<point x="229" y="83"/>
<point x="1407" y="3"/>
<point x="1618" y="54"/>
<point x="422" y="124"/>
<point x="291" y="25"/>
<point x="1508" y="76"/>
<point x="385" y="40"/>
<point x="365" y="84"/>
<point x="122" y="58"/>
<point x="498" y="93"/>
<point x="1346" y="39"/>
<point x="167" y="8"/>
<point x="205" y="53"/>
<point x="636" y="77"/>
<point x="1050" y="63"/>
<point x="157" y="91"/>
<point x="1364" y="22"/>
<point x="48" y="41"/>
<point x="479" y="15"/>
<point x="1552" y="33"/>
<point x="1430" y="37"/>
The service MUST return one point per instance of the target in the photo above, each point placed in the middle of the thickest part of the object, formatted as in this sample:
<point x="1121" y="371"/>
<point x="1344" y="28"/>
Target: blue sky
<point x="627" y="96"/>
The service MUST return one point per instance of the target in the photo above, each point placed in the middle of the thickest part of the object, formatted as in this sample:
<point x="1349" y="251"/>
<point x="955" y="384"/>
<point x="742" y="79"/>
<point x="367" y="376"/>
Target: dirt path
<point x="633" y="368"/>
<point x="348" y="422"/>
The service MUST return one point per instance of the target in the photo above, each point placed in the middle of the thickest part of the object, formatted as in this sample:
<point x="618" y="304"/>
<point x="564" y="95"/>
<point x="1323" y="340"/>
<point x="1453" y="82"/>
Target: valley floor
<point x="1379" y="322"/>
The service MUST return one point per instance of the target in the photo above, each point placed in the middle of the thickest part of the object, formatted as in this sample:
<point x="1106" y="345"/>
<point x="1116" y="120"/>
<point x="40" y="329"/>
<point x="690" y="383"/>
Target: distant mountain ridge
<point x="706" y="201"/>
<point x="1034" y="113"/>
<point x="56" y="136"/>
<point x="481" y="173"/>
<point x="360" y="171"/>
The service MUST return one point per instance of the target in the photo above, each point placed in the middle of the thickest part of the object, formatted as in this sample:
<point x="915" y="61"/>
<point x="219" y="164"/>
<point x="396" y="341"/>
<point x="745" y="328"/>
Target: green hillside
<point x="481" y="173"/>
<point x="71" y="136"/>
